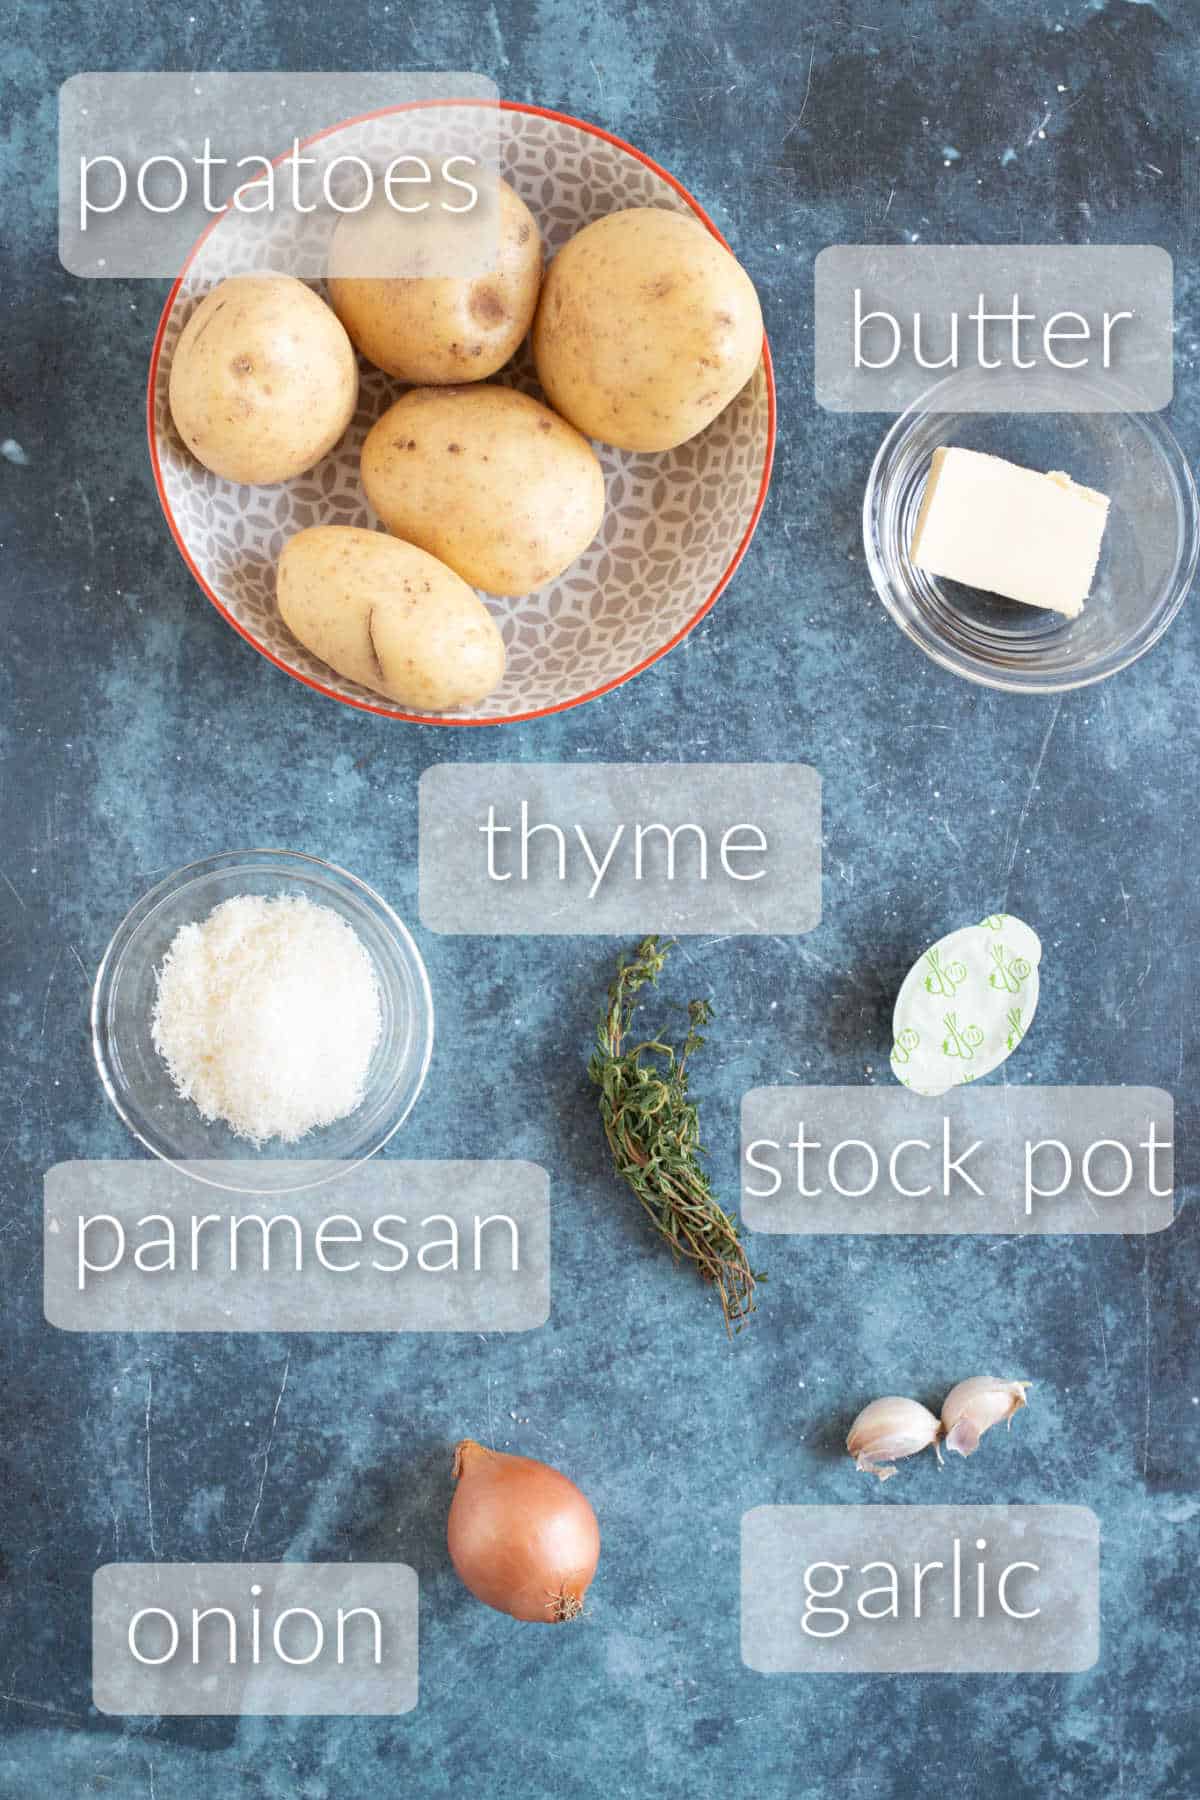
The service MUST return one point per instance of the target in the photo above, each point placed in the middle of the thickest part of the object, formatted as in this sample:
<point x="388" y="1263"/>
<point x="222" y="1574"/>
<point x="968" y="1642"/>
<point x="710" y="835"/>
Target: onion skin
<point x="522" y="1538"/>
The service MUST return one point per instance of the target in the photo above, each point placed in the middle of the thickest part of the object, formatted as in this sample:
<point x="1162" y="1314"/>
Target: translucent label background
<point x="1003" y="1117"/>
<point x="938" y="279"/>
<point x="782" y="799"/>
<point x="494" y="1298"/>
<point x="780" y="1542"/>
<point x="136" y="116"/>
<point x="122" y="1684"/>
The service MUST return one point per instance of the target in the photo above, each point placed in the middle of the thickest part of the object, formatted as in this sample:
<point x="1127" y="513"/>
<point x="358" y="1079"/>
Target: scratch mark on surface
<point x="87" y="519"/>
<point x="799" y="118"/>
<point x="266" y="1455"/>
<point x="39" y="1706"/>
<point x="1100" y="1323"/>
<point x="149" y="1496"/>
<point x="50" y="990"/>
<point x="1028" y="802"/>
<point x="1037" y="130"/>
<point x="1146" y="1368"/>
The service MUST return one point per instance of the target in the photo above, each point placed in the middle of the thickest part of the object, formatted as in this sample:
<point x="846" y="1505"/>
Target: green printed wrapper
<point x="966" y="1004"/>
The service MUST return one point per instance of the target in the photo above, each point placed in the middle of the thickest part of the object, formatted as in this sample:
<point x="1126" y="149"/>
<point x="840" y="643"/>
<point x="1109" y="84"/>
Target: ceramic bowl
<point x="675" y="527"/>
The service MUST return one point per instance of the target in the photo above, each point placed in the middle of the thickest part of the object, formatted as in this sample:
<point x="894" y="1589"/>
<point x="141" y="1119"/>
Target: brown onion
<point x="522" y="1537"/>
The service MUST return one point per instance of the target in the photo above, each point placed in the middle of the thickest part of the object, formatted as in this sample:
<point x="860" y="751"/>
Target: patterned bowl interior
<point x="673" y="524"/>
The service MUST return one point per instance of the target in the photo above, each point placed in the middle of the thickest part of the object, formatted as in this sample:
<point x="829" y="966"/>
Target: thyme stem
<point x="653" y="1132"/>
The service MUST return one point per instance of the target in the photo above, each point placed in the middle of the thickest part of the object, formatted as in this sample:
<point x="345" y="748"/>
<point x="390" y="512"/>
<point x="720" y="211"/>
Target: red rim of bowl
<point x="391" y="712"/>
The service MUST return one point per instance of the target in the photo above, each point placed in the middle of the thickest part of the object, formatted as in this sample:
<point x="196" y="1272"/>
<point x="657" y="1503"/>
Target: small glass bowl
<point x="135" y="1077"/>
<point x="1147" y="561"/>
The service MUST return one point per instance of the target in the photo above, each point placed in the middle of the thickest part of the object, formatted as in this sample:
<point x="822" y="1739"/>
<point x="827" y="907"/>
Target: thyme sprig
<point x="654" y="1134"/>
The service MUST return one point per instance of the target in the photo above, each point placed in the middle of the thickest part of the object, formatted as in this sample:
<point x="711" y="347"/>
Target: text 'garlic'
<point x="974" y="1406"/>
<point x="888" y="1430"/>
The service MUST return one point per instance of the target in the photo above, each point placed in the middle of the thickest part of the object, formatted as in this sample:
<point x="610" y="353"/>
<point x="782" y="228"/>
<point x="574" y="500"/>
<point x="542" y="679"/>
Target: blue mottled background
<point x="138" y="732"/>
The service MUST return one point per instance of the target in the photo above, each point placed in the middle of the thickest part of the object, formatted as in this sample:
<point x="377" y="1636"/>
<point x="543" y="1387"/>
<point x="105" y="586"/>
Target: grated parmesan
<point x="267" y="1014"/>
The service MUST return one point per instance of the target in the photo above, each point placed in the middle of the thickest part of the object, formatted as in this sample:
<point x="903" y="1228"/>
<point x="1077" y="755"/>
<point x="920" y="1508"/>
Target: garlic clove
<point x="974" y="1406"/>
<point x="888" y="1430"/>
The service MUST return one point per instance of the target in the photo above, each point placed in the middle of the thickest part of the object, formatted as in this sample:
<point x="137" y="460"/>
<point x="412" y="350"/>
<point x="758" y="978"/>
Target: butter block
<point x="1011" y="531"/>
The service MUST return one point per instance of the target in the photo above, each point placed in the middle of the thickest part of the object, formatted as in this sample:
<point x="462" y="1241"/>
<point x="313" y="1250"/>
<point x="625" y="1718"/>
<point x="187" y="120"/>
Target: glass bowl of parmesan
<point x="262" y="1020"/>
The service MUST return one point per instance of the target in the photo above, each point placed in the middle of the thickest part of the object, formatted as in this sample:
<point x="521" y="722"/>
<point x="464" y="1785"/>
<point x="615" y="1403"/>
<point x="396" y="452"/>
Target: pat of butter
<point x="1011" y="531"/>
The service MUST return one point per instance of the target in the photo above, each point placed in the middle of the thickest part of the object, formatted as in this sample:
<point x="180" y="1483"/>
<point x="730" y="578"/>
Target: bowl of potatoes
<point x="472" y="499"/>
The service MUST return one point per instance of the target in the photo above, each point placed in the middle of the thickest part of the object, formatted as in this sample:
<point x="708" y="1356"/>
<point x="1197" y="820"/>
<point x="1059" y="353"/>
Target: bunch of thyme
<point x="654" y="1134"/>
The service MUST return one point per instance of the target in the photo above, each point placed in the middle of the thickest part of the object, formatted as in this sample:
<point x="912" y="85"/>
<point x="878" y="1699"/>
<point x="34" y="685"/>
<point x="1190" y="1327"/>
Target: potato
<point x="388" y="616"/>
<point x="437" y="328"/>
<point x="646" y="329"/>
<point x="264" y="380"/>
<point x="490" y="481"/>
